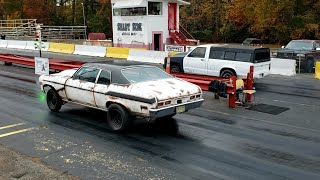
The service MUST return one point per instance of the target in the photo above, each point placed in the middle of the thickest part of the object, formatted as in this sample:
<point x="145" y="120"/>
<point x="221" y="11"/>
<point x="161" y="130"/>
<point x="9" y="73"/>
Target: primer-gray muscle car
<point x="124" y="89"/>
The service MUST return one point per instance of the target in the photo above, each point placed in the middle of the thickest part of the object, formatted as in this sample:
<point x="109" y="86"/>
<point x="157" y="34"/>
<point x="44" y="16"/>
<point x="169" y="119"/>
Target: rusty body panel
<point x="140" y="99"/>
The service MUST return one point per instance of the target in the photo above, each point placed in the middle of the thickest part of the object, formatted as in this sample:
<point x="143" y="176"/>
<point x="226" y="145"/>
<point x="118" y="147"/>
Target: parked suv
<point x="307" y="51"/>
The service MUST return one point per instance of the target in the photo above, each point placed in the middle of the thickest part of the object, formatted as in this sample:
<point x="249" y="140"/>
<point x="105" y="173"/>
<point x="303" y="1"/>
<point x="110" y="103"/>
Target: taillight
<point x="160" y="104"/>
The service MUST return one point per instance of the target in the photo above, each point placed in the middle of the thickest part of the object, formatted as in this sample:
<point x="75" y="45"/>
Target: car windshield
<point x="300" y="45"/>
<point x="143" y="74"/>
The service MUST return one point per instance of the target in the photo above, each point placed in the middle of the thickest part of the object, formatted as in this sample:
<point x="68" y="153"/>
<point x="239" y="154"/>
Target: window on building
<point x="136" y="11"/>
<point x="154" y="8"/>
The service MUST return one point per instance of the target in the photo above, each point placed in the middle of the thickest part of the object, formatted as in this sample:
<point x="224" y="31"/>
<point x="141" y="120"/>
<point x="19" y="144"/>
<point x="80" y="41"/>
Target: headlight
<point x="301" y="55"/>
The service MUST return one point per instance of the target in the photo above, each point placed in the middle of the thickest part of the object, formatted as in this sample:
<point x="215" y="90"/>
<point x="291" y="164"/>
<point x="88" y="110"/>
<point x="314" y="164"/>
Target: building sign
<point x="129" y="29"/>
<point x="41" y="66"/>
<point x="173" y="48"/>
<point x="190" y="48"/>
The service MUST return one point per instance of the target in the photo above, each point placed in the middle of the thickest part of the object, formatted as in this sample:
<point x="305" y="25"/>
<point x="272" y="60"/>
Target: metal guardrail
<point x="25" y="29"/>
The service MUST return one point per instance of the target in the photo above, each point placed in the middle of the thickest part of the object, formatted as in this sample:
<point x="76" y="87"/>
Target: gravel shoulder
<point x="17" y="166"/>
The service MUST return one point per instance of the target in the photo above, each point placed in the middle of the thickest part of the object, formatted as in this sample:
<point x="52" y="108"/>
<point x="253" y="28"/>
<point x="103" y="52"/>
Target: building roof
<point x="129" y="3"/>
<point x="140" y="3"/>
<point x="180" y="2"/>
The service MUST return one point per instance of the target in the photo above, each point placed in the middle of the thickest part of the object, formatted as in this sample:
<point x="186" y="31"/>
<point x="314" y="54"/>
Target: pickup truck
<point x="223" y="60"/>
<point x="305" y="51"/>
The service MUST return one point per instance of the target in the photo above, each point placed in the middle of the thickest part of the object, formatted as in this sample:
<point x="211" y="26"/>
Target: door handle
<point x="202" y="59"/>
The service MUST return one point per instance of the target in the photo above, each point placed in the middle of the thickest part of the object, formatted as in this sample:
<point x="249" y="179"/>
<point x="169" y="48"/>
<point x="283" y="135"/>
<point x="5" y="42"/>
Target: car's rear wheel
<point x="119" y="119"/>
<point x="175" y="69"/>
<point x="227" y="73"/>
<point x="54" y="101"/>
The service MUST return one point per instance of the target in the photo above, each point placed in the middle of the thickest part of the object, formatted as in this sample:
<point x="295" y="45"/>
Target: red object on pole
<point x="250" y="84"/>
<point x="232" y="94"/>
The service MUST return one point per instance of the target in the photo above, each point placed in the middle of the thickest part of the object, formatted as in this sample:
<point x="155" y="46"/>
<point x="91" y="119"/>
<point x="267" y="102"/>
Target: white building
<point x="148" y="24"/>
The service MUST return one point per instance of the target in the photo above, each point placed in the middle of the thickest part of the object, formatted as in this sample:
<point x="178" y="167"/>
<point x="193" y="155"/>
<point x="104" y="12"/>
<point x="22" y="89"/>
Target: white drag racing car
<point x="125" y="90"/>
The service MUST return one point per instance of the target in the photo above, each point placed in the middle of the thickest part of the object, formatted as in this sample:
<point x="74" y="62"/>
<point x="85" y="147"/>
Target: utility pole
<point x="84" y="21"/>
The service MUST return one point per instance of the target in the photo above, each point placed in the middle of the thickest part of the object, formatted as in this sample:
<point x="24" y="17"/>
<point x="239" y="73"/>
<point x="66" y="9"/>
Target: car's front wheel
<point x="119" y="119"/>
<point x="54" y="101"/>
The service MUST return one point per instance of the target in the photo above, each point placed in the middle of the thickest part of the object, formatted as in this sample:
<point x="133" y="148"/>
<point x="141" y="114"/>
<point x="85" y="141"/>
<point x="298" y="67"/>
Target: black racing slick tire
<point x="54" y="101"/>
<point x="119" y="119"/>
<point x="227" y="73"/>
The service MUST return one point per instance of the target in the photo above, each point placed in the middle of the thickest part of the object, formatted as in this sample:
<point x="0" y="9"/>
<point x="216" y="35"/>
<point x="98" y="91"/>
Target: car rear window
<point x="143" y="74"/>
<point x="262" y="57"/>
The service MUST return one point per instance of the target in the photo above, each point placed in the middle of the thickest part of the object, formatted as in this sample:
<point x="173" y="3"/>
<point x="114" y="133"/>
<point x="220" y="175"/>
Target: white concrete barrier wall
<point x="3" y="43"/>
<point x="285" y="67"/>
<point x="30" y="45"/>
<point x="86" y="50"/>
<point x="147" y="56"/>
<point x="17" y="44"/>
<point x="45" y="46"/>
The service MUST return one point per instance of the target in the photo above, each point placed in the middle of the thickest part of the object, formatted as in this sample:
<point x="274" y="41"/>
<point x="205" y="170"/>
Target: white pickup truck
<point x="223" y="60"/>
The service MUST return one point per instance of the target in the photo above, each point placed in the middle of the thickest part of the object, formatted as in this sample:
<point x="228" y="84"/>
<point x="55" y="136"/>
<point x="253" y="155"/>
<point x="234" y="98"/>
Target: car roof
<point x="306" y="40"/>
<point x="240" y="48"/>
<point x="115" y="67"/>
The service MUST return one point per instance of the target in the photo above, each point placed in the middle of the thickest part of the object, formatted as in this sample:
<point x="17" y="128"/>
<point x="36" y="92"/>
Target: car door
<point x="195" y="62"/>
<point x="79" y="88"/>
<point x="101" y="88"/>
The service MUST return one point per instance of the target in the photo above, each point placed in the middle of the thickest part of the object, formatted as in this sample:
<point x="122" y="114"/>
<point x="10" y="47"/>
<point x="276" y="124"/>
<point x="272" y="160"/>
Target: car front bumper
<point x="171" y="110"/>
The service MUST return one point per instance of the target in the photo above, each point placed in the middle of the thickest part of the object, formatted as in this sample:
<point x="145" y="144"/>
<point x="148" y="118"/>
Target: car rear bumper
<point x="171" y="110"/>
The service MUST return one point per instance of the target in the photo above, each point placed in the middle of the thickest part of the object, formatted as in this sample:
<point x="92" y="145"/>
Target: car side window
<point x="199" y="52"/>
<point x="244" y="57"/>
<point x="87" y="74"/>
<point x="229" y="55"/>
<point x="317" y="45"/>
<point x="214" y="54"/>
<point x="104" y="78"/>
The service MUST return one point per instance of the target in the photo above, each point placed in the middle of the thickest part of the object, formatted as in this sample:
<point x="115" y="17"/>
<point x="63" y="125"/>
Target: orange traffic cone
<point x="168" y="64"/>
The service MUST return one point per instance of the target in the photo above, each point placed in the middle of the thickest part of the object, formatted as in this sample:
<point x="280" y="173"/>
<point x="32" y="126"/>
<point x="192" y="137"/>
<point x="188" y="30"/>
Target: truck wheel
<point x="309" y="65"/>
<point x="227" y="73"/>
<point x="54" y="101"/>
<point x="118" y="118"/>
<point x="175" y="69"/>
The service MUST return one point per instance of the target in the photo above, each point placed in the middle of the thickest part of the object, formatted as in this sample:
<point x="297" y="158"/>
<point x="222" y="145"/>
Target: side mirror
<point x="282" y="47"/>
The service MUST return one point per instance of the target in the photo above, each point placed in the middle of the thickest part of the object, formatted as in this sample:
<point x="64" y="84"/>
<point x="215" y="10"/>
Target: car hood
<point x="68" y="72"/>
<point x="167" y="88"/>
